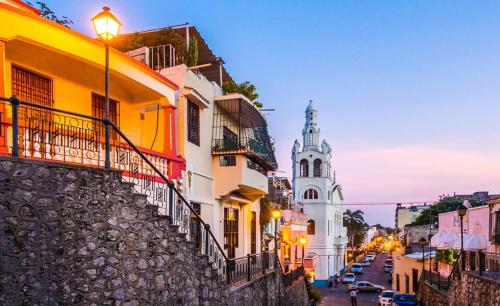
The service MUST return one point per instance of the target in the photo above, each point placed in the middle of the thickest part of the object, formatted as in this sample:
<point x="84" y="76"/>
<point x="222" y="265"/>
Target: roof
<point x="74" y="35"/>
<point x="205" y="54"/>
<point x="24" y="6"/>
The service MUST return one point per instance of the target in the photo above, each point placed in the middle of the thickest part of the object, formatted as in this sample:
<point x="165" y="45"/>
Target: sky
<point x="407" y="91"/>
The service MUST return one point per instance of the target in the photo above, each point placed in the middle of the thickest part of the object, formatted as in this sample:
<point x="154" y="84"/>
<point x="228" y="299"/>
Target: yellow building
<point x="47" y="64"/>
<point x="406" y="271"/>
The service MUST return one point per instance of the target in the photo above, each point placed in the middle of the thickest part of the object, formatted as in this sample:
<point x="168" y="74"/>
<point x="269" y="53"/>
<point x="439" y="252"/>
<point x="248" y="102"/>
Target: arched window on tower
<point x="317" y="167"/>
<point x="311" y="227"/>
<point x="304" y="168"/>
<point x="310" y="194"/>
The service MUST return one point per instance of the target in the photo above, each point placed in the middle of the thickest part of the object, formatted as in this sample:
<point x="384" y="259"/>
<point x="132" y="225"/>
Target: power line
<point x="415" y="203"/>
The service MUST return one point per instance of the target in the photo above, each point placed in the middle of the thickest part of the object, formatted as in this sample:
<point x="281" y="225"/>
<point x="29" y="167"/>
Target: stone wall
<point x="268" y="290"/>
<point x="466" y="290"/>
<point x="473" y="290"/>
<point x="74" y="235"/>
<point x="431" y="296"/>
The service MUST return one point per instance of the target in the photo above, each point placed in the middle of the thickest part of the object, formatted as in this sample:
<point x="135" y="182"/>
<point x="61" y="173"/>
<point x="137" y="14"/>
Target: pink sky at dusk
<point x="406" y="174"/>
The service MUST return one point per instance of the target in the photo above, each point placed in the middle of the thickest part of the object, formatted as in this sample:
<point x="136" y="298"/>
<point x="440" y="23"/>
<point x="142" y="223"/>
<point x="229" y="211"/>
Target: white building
<point x="314" y="185"/>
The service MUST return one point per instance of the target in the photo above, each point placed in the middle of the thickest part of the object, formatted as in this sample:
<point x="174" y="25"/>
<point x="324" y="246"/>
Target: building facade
<point x="406" y="215"/>
<point x="315" y="187"/>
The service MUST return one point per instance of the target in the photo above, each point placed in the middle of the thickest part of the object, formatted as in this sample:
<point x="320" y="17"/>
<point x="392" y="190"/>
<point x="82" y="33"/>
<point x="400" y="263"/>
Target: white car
<point x="348" y="278"/>
<point x="370" y="257"/>
<point x="385" y="298"/>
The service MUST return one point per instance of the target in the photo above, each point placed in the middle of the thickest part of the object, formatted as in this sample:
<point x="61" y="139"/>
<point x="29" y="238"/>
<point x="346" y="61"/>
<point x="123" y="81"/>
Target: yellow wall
<point x="74" y="63"/>
<point x="402" y="266"/>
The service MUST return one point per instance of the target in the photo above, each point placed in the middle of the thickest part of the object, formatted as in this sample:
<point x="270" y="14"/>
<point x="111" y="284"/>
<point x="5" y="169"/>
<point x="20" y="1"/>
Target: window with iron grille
<point x="99" y="111"/>
<point x="193" y="123"/>
<point x="227" y="160"/>
<point x="231" y="219"/>
<point x="32" y="87"/>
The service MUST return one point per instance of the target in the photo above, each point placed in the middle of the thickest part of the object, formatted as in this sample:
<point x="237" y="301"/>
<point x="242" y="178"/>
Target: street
<point x="375" y="274"/>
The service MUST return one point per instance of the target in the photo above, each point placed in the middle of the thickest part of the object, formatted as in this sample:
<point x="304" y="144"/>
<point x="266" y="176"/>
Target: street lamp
<point x="276" y="214"/>
<point x="461" y="211"/>
<point x="107" y="27"/>
<point x="422" y="243"/>
<point x="303" y="241"/>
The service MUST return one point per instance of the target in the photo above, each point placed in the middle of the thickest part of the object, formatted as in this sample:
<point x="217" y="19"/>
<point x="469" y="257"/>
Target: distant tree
<point x="135" y="41"/>
<point x="444" y="205"/>
<point x="169" y="36"/>
<point x="246" y="88"/>
<point x="356" y="226"/>
<point x="47" y="13"/>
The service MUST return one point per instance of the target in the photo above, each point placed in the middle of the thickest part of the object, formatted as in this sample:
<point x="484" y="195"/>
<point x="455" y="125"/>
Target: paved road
<point x="375" y="274"/>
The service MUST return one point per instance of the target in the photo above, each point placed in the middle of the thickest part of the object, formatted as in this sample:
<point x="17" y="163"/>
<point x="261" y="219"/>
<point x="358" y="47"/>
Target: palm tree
<point x="355" y="222"/>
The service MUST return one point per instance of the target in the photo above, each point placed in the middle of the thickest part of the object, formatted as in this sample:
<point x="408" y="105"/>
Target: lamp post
<point x="276" y="214"/>
<point x="303" y="241"/>
<point x="106" y="26"/>
<point x="461" y="211"/>
<point x="422" y="243"/>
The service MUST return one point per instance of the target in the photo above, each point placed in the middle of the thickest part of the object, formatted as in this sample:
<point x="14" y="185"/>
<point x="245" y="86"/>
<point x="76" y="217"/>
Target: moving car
<point x="404" y="300"/>
<point x="364" y="286"/>
<point x="348" y="278"/>
<point x="370" y="257"/>
<point x="365" y="263"/>
<point x="388" y="268"/>
<point x="357" y="268"/>
<point x="385" y="298"/>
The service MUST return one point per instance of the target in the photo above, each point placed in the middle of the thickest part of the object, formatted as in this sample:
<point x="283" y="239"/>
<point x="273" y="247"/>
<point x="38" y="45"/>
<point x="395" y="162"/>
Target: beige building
<point x="406" y="271"/>
<point x="406" y="215"/>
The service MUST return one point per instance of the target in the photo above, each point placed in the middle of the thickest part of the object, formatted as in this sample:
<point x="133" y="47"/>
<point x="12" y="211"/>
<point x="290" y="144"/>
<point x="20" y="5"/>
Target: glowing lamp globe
<point x="106" y="25"/>
<point x="303" y="240"/>
<point x="276" y="214"/>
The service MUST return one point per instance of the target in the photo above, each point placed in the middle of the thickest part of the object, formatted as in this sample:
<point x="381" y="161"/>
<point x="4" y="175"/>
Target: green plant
<point x="246" y="88"/>
<point x="11" y="229"/>
<point x="192" y="52"/>
<point x="356" y="226"/>
<point x="135" y="41"/>
<point x="169" y="36"/>
<point x="265" y="212"/>
<point x="447" y="256"/>
<point x="47" y="13"/>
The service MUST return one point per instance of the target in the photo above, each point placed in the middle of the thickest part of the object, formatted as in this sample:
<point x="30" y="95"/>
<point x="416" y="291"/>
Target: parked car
<point x="388" y="268"/>
<point x="404" y="300"/>
<point x="385" y="298"/>
<point x="389" y="256"/>
<point x="356" y="268"/>
<point x="388" y="262"/>
<point x="364" y="286"/>
<point x="348" y="278"/>
<point x="365" y="263"/>
<point x="370" y="257"/>
<point x="384" y="251"/>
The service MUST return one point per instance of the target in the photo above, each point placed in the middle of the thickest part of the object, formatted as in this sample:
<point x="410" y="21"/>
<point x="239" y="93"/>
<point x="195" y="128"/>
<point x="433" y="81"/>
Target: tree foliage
<point x="444" y="205"/>
<point x="246" y="88"/>
<point x="192" y="56"/>
<point x="356" y="226"/>
<point x="47" y="13"/>
<point x="265" y="212"/>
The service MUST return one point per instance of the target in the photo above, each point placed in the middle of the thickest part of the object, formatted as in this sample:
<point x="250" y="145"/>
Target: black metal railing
<point x="245" y="269"/>
<point x="482" y="263"/>
<point x="442" y="282"/>
<point x="34" y="131"/>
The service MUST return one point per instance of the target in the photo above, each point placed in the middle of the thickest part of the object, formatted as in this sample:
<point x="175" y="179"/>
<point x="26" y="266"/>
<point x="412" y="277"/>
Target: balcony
<point x="236" y="173"/>
<point x="157" y="57"/>
<point x="240" y="128"/>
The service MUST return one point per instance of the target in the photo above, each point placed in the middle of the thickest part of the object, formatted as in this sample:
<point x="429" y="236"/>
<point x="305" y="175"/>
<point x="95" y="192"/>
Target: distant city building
<point x="314" y="185"/>
<point x="406" y="215"/>
<point x="478" y="196"/>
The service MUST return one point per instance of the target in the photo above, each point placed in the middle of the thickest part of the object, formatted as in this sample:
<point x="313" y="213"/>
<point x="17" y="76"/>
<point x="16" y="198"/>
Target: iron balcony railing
<point x="482" y="263"/>
<point x="161" y="57"/>
<point x="34" y="131"/>
<point x="245" y="269"/>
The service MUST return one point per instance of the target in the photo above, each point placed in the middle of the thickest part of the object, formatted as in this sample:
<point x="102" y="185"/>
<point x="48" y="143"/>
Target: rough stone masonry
<point x="74" y="235"/>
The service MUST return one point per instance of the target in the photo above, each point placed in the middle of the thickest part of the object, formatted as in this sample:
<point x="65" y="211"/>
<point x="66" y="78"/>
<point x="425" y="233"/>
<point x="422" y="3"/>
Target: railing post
<point x="15" y="126"/>
<point x="229" y="268"/>
<point x="249" y="262"/>
<point x="171" y="203"/>
<point x="482" y="262"/>
<point x="207" y="236"/>
<point x="265" y="261"/>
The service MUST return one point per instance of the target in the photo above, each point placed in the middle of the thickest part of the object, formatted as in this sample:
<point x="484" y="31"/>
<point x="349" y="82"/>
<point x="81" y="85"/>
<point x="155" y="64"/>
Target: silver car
<point x="364" y="286"/>
<point x="348" y="278"/>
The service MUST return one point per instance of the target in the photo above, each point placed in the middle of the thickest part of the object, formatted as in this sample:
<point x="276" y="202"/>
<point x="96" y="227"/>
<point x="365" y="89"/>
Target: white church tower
<point x="314" y="185"/>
